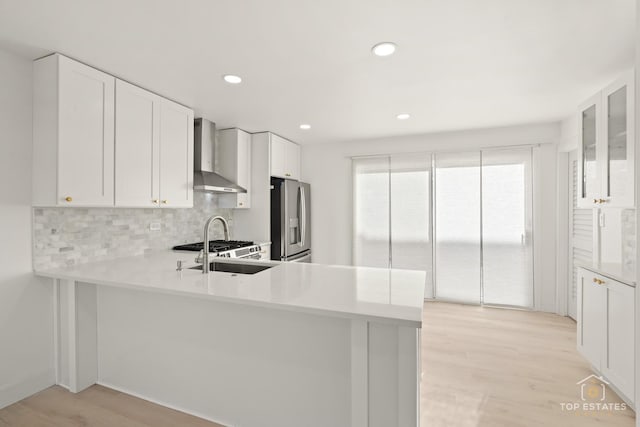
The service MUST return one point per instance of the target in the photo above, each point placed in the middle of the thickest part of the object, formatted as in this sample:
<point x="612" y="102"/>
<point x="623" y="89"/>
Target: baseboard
<point x="165" y="404"/>
<point x="12" y="393"/>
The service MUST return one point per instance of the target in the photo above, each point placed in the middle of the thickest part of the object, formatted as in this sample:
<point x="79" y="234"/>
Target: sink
<point x="228" y="267"/>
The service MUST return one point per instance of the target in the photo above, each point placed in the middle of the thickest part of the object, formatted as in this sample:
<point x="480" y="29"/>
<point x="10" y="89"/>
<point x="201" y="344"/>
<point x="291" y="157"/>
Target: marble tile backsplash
<point x="68" y="236"/>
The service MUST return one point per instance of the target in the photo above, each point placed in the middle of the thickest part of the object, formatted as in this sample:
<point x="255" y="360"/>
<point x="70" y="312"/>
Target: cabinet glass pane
<point x="507" y="249"/>
<point x="617" y="142"/>
<point x="457" y="226"/>
<point x="371" y="212"/>
<point x="411" y="215"/>
<point x="589" y="167"/>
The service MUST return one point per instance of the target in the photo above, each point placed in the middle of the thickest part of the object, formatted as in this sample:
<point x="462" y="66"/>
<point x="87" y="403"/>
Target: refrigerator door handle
<point x="303" y="217"/>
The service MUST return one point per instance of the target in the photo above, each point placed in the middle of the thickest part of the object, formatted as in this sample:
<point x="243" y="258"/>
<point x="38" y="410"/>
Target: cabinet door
<point x="589" y="152"/>
<point x="137" y="141"/>
<point x="278" y="156"/>
<point x="243" y="200"/>
<point x="176" y="155"/>
<point x="86" y="141"/>
<point x="591" y="317"/>
<point x="292" y="160"/>
<point x="618" y="362"/>
<point x="618" y="141"/>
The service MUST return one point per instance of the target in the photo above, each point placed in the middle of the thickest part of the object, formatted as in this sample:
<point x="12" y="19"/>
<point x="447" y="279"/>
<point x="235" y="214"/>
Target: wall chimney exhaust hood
<point x="206" y="177"/>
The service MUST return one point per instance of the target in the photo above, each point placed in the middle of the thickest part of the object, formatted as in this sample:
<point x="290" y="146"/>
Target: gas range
<point x="225" y="248"/>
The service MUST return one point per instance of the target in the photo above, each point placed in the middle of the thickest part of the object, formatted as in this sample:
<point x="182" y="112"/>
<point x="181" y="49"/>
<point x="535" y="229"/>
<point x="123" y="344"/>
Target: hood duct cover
<point x="214" y="183"/>
<point x="205" y="176"/>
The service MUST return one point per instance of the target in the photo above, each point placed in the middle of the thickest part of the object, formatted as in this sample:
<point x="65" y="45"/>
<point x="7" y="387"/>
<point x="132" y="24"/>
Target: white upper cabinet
<point x="278" y="156"/>
<point x="588" y="153"/>
<point x="233" y="160"/>
<point x="176" y="155"/>
<point x="285" y="158"/>
<point x="606" y="149"/>
<point x="292" y="161"/>
<point x="154" y="150"/>
<point x="137" y="146"/>
<point x="618" y="136"/>
<point x="73" y="134"/>
<point x="100" y="141"/>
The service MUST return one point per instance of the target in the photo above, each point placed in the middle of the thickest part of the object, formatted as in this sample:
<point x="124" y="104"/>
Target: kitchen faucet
<point x="225" y="226"/>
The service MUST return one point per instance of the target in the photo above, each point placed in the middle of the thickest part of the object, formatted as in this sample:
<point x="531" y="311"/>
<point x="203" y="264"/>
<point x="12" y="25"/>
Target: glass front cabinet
<point x="606" y="147"/>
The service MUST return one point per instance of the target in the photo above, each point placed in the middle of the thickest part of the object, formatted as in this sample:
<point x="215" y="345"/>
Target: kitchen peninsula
<point x="295" y="344"/>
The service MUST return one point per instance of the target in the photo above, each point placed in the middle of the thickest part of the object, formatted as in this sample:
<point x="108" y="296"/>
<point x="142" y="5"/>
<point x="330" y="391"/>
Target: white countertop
<point x="614" y="271"/>
<point x="389" y="296"/>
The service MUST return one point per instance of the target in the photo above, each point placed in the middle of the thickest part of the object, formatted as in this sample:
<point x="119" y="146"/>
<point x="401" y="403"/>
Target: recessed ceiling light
<point x="230" y="78"/>
<point x="384" y="49"/>
<point x="403" y="116"/>
<point x="305" y="127"/>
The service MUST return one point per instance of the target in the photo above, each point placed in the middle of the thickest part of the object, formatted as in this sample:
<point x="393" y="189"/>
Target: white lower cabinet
<point x="618" y="360"/>
<point x="606" y="328"/>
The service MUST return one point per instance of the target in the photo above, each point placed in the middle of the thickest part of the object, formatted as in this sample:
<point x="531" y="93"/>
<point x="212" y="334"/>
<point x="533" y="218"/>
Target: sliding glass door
<point x="411" y="246"/>
<point x="457" y="226"/>
<point x="392" y="213"/>
<point x="468" y="225"/>
<point x="371" y="212"/>
<point x="507" y="237"/>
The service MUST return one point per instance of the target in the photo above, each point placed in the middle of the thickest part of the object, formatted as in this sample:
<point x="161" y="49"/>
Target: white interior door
<point x="580" y="234"/>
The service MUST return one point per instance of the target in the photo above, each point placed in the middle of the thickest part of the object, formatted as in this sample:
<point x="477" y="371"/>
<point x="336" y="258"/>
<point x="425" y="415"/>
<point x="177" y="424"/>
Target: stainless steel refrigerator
<point x="290" y="220"/>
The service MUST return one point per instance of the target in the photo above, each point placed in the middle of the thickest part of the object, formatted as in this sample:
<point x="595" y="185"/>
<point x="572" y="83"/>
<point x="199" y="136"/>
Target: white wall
<point x="327" y="167"/>
<point x="637" y="160"/>
<point x="26" y="311"/>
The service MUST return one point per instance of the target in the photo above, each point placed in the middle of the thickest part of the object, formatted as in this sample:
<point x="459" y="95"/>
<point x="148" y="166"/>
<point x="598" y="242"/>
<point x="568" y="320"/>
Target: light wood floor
<point x="482" y="367"/>
<point x="96" y="406"/>
<point x="494" y="367"/>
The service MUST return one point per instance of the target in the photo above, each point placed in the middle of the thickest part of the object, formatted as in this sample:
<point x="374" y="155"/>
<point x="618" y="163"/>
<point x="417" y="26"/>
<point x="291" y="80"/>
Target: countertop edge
<point x="607" y="273"/>
<point x="305" y="310"/>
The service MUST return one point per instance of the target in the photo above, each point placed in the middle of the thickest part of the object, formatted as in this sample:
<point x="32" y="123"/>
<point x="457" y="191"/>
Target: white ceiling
<point x="460" y="64"/>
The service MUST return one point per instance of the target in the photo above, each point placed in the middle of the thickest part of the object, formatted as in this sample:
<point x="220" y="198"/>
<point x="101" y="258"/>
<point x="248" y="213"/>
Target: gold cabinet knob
<point x="595" y="280"/>
<point x="68" y="199"/>
<point x="155" y="201"/>
<point x="240" y="204"/>
<point x="164" y="202"/>
<point x="602" y="201"/>
<point x="595" y="200"/>
<point x="287" y="174"/>
<point x="598" y="281"/>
